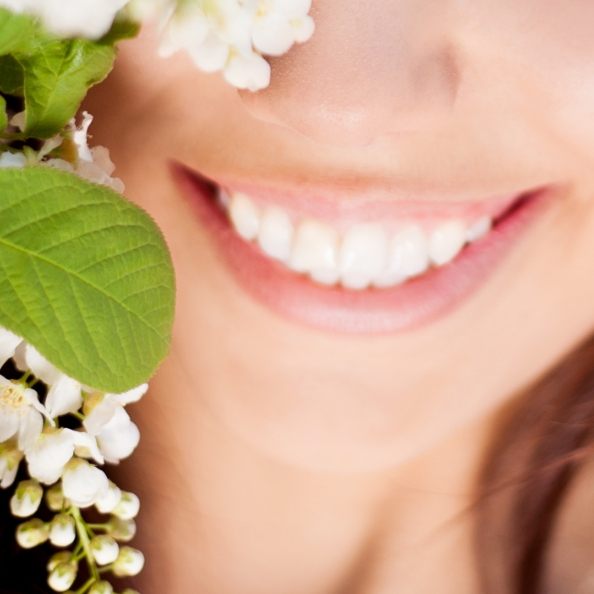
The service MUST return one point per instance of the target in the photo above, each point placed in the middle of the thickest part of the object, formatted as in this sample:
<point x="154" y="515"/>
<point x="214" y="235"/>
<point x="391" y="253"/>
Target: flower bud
<point x="122" y="530"/>
<point x="10" y="458"/>
<point x="82" y="482"/>
<point x="32" y="533"/>
<point x="130" y="591"/>
<point x="57" y="558"/>
<point x="62" y="576"/>
<point x="108" y="499"/>
<point x="54" y="498"/>
<point x="129" y="562"/>
<point x="62" y="530"/>
<point x="101" y="587"/>
<point x="128" y="507"/>
<point x="26" y="499"/>
<point x="105" y="549"/>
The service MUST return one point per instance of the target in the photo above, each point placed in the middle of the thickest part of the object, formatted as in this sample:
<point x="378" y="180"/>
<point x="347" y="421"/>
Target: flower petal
<point x="8" y="345"/>
<point x="101" y="414"/>
<point x="119" y="438"/>
<point x="40" y="366"/>
<point x="48" y="456"/>
<point x="133" y="395"/>
<point x="30" y="428"/>
<point x="9" y="422"/>
<point x="63" y="397"/>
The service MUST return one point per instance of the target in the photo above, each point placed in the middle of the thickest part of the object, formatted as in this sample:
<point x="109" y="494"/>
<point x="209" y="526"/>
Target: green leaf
<point x="85" y="276"/>
<point x="58" y="75"/>
<point x="11" y="76"/>
<point x="3" y="116"/>
<point x="16" y="31"/>
<point x="121" y="29"/>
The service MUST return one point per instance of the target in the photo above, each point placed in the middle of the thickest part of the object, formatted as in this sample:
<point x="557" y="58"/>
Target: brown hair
<point x="529" y="467"/>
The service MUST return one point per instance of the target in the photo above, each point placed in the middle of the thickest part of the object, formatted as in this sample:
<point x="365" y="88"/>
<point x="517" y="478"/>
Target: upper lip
<point x="345" y="202"/>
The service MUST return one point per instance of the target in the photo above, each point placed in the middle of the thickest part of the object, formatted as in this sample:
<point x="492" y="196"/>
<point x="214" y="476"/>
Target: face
<point x="393" y="118"/>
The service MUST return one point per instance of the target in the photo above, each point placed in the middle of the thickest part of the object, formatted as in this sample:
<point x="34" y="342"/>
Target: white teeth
<point x="244" y="216"/>
<point x="479" y="229"/>
<point x="363" y="256"/>
<point x="315" y="251"/>
<point x="408" y="255"/>
<point x="446" y="241"/>
<point x="276" y="234"/>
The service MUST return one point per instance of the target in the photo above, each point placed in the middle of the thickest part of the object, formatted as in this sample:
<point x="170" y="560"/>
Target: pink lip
<point x="404" y="307"/>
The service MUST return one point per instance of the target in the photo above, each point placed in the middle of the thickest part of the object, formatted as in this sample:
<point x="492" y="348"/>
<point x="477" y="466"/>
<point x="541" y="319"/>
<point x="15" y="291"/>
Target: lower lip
<point x="373" y="311"/>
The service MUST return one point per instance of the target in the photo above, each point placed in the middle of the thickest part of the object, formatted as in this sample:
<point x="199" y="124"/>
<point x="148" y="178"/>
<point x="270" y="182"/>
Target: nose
<point x="371" y="69"/>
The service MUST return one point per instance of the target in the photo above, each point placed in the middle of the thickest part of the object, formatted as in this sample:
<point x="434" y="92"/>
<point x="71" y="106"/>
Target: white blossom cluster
<point x="65" y="461"/>
<point x="70" y="18"/>
<point x="231" y="36"/>
<point x="92" y="164"/>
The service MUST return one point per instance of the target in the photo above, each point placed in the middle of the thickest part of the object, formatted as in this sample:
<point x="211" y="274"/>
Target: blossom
<point x="26" y="499"/>
<point x="233" y="36"/>
<point x="32" y="533"/>
<point x="128" y="506"/>
<point x="83" y="483"/>
<point x="105" y="549"/>
<point x="129" y="562"/>
<point x="70" y="18"/>
<point x="48" y="456"/>
<point x="10" y="457"/>
<point x="109" y="499"/>
<point x="20" y="413"/>
<point x="101" y="587"/>
<point x="106" y="419"/>
<point x="64" y="396"/>
<point x="62" y="576"/>
<point x="62" y="530"/>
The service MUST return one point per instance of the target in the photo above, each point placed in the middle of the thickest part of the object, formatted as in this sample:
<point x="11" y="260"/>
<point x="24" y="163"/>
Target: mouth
<point x="372" y="267"/>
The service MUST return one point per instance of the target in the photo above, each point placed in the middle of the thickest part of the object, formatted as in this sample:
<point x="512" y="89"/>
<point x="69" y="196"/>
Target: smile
<point x="370" y="268"/>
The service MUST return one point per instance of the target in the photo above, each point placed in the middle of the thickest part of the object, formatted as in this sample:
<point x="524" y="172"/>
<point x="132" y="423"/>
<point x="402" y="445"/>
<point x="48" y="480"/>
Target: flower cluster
<point x="231" y="36"/>
<point x="70" y="18"/>
<point x="68" y="151"/>
<point x="65" y="461"/>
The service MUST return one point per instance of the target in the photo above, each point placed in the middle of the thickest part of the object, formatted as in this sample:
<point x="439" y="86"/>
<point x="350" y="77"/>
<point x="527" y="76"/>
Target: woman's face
<point x="415" y="110"/>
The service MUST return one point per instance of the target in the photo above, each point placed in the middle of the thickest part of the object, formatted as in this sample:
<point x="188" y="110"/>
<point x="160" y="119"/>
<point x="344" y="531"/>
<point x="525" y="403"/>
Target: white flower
<point x="122" y="530"/>
<point x="128" y="507"/>
<point x="57" y="558"/>
<point x="20" y="413"/>
<point x="64" y="396"/>
<point x="108" y="499"/>
<point x="232" y="35"/>
<point x="83" y="483"/>
<point x="62" y="530"/>
<point x="8" y="341"/>
<point x="247" y="71"/>
<point x="129" y="562"/>
<point x="71" y="18"/>
<point x="105" y="549"/>
<point x="10" y="457"/>
<point x="50" y="453"/>
<point x="26" y="499"/>
<point x="62" y="576"/>
<point x="28" y="358"/>
<point x="101" y="587"/>
<point x="117" y="436"/>
<point x="32" y="533"/>
<point x="54" y="498"/>
<point x="279" y="24"/>
<point x="8" y="159"/>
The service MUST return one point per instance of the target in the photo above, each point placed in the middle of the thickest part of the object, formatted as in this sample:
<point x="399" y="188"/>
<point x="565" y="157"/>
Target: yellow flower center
<point x="12" y="396"/>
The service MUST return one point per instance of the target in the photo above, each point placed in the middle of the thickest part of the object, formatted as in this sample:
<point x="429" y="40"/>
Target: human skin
<point x="281" y="458"/>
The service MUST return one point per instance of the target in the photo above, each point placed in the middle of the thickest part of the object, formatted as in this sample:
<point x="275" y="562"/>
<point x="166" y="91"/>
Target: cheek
<point x="547" y="47"/>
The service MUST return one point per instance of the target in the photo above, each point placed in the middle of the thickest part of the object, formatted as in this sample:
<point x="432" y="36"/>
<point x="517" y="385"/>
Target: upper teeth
<point x="366" y="254"/>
